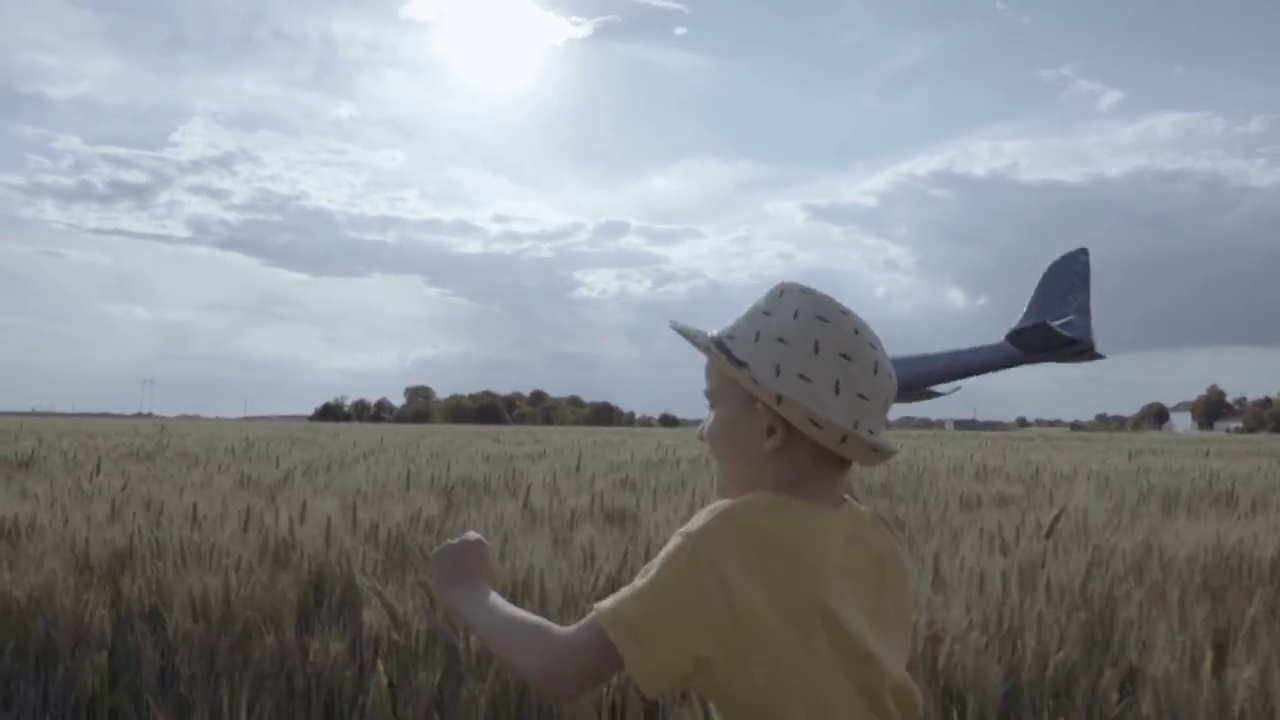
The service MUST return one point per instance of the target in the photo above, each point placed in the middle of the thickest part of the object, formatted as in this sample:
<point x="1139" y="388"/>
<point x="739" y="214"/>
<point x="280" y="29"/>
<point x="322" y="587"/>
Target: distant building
<point x="1180" y="421"/>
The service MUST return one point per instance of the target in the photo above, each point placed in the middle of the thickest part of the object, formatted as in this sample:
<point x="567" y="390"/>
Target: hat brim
<point x="861" y="451"/>
<point x="699" y="339"/>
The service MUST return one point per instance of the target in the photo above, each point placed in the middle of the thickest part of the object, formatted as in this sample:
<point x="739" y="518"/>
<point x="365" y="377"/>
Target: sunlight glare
<point x="494" y="45"/>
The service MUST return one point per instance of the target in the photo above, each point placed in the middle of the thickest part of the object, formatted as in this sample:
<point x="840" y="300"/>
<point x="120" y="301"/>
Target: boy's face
<point x="737" y="433"/>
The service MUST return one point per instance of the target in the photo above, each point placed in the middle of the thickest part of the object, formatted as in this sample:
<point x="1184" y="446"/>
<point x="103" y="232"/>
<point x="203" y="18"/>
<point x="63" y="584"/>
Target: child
<point x="786" y="598"/>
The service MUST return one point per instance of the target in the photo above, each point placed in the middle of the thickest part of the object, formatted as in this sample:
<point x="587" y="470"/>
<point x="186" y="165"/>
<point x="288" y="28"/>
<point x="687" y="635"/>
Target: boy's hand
<point x="461" y="567"/>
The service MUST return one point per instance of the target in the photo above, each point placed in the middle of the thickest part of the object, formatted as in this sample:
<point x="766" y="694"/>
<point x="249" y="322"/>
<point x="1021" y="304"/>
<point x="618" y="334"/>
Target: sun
<point x="494" y="46"/>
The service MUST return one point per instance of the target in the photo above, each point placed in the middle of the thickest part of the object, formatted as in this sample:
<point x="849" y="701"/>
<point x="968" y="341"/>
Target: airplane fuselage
<point x="921" y="372"/>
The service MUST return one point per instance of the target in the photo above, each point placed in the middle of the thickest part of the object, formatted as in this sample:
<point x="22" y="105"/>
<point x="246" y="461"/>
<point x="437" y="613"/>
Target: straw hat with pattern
<point x="813" y="361"/>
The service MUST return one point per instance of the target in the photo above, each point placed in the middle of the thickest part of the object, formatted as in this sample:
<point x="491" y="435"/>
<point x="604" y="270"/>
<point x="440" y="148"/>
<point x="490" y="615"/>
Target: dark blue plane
<point x="1056" y="327"/>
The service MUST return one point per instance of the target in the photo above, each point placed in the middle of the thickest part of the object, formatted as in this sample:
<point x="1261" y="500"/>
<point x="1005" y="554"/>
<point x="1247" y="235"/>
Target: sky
<point x="253" y="205"/>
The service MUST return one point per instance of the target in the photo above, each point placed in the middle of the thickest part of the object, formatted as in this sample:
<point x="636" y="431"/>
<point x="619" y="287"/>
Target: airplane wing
<point x="922" y="394"/>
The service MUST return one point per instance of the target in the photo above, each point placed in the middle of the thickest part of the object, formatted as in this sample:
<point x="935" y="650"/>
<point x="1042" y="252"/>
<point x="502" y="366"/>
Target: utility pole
<point x="146" y="403"/>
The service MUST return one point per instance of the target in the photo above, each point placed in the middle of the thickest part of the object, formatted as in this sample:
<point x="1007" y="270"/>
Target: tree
<point x="603" y="414"/>
<point x="454" y="410"/>
<point x="525" y="415"/>
<point x="1022" y="422"/>
<point x="1209" y="408"/>
<point x="361" y="410"/>
<point x="1152" y="416"/>
<point x="513" y="402"/>
<point x="383" y="410"/>
<point x="1254" y="419"/>
<point x="551" y="413"/>
<point x="1261" y="416"/>
<point x="489" y="412"/>
<point x="667" y="420"/>
<point x="486" y="407"/>
<point x="418" y="413"/>
<point x="419" y="404"/>
<point x="419" y="394"/>
<point x="334" y="410"/>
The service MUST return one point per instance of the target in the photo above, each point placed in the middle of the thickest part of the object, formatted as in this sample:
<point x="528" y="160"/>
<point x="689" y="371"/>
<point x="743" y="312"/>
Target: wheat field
<point x="210" y="569"/>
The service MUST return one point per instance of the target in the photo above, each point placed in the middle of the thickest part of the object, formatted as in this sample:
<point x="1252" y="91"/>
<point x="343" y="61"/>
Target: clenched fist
<point x="462" y="567"/>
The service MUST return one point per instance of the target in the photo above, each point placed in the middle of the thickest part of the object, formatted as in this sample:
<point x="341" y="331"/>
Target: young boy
<point x="786" y="598"/>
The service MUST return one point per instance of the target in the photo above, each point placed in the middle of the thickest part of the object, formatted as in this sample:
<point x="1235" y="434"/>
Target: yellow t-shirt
<point x="769" y="607"/>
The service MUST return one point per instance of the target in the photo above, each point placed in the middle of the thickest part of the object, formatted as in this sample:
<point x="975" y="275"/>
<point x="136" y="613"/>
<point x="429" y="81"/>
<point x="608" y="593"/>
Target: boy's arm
<point x="668" y="624"/>
<point x="560" y="663"/>
<point x="665" y="627"/>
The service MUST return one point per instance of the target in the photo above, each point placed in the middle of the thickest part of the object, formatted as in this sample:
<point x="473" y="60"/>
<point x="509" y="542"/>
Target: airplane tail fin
<point x="1057" y="325"/>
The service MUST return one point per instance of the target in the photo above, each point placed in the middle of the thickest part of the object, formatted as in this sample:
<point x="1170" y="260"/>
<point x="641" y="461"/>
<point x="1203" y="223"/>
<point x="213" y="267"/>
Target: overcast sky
<point x="242" y="200"/>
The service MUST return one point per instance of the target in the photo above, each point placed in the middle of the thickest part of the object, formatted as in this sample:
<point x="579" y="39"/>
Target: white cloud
<point x="495" y="45"/>
<point x="199" y="300"/>
<point x="984" y="218"/>
<point x="633" y="283"/>
<point x="340" y="210"/>
<point x="1170" y="141"/>
<point x="674" y="60"/>
<point x="1104" y="97"/>
<point x="691" y="189"/>
<point x="680" y="30"/>
<point x="207" y="172"/>
<point x="1008" y="13"/>
<point x="665" y="5"/>
<point x="961" y="299"/>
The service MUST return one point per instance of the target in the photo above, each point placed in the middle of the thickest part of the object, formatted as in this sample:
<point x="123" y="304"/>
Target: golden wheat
<point x="217" y="569"/>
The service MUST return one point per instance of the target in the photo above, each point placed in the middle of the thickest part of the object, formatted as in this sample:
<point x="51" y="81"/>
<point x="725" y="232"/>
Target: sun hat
<point x="813" y="361"/>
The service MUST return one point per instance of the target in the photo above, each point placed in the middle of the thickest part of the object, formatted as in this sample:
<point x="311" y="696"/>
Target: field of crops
<point x="216" y="569"/>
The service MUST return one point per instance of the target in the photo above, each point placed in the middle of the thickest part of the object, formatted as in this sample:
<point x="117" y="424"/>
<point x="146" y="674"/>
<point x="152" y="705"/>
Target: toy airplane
<point x="1056" y="327"/>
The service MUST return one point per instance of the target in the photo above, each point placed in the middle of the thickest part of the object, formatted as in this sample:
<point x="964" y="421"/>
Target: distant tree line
<point x="1259" y="415"/>
<point x="1207" y="410"/>
<point x="422" y="405"/>
<point x="912" y="422"/>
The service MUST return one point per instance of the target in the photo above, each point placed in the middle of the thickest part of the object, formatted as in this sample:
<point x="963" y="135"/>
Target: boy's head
<point x="797" y="385"/>
<point x="751" y="444"/>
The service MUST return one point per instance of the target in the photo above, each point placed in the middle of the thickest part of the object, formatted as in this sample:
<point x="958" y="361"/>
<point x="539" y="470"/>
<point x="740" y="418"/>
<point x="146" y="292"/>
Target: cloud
<point x="1179" y="227"/>
<point x="690" y="189"/>
<point x="519" y="271"/>
<point x="674" y="60"/>
<point x="1104" y="98"/>
<point x="345" y="234"/>
<point x="1010" y="14"/>
<point x="95" y="312"/>
<point x="496" y="44"/>
<point x="666" y="5"/>
<point x="679" y="30"/>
